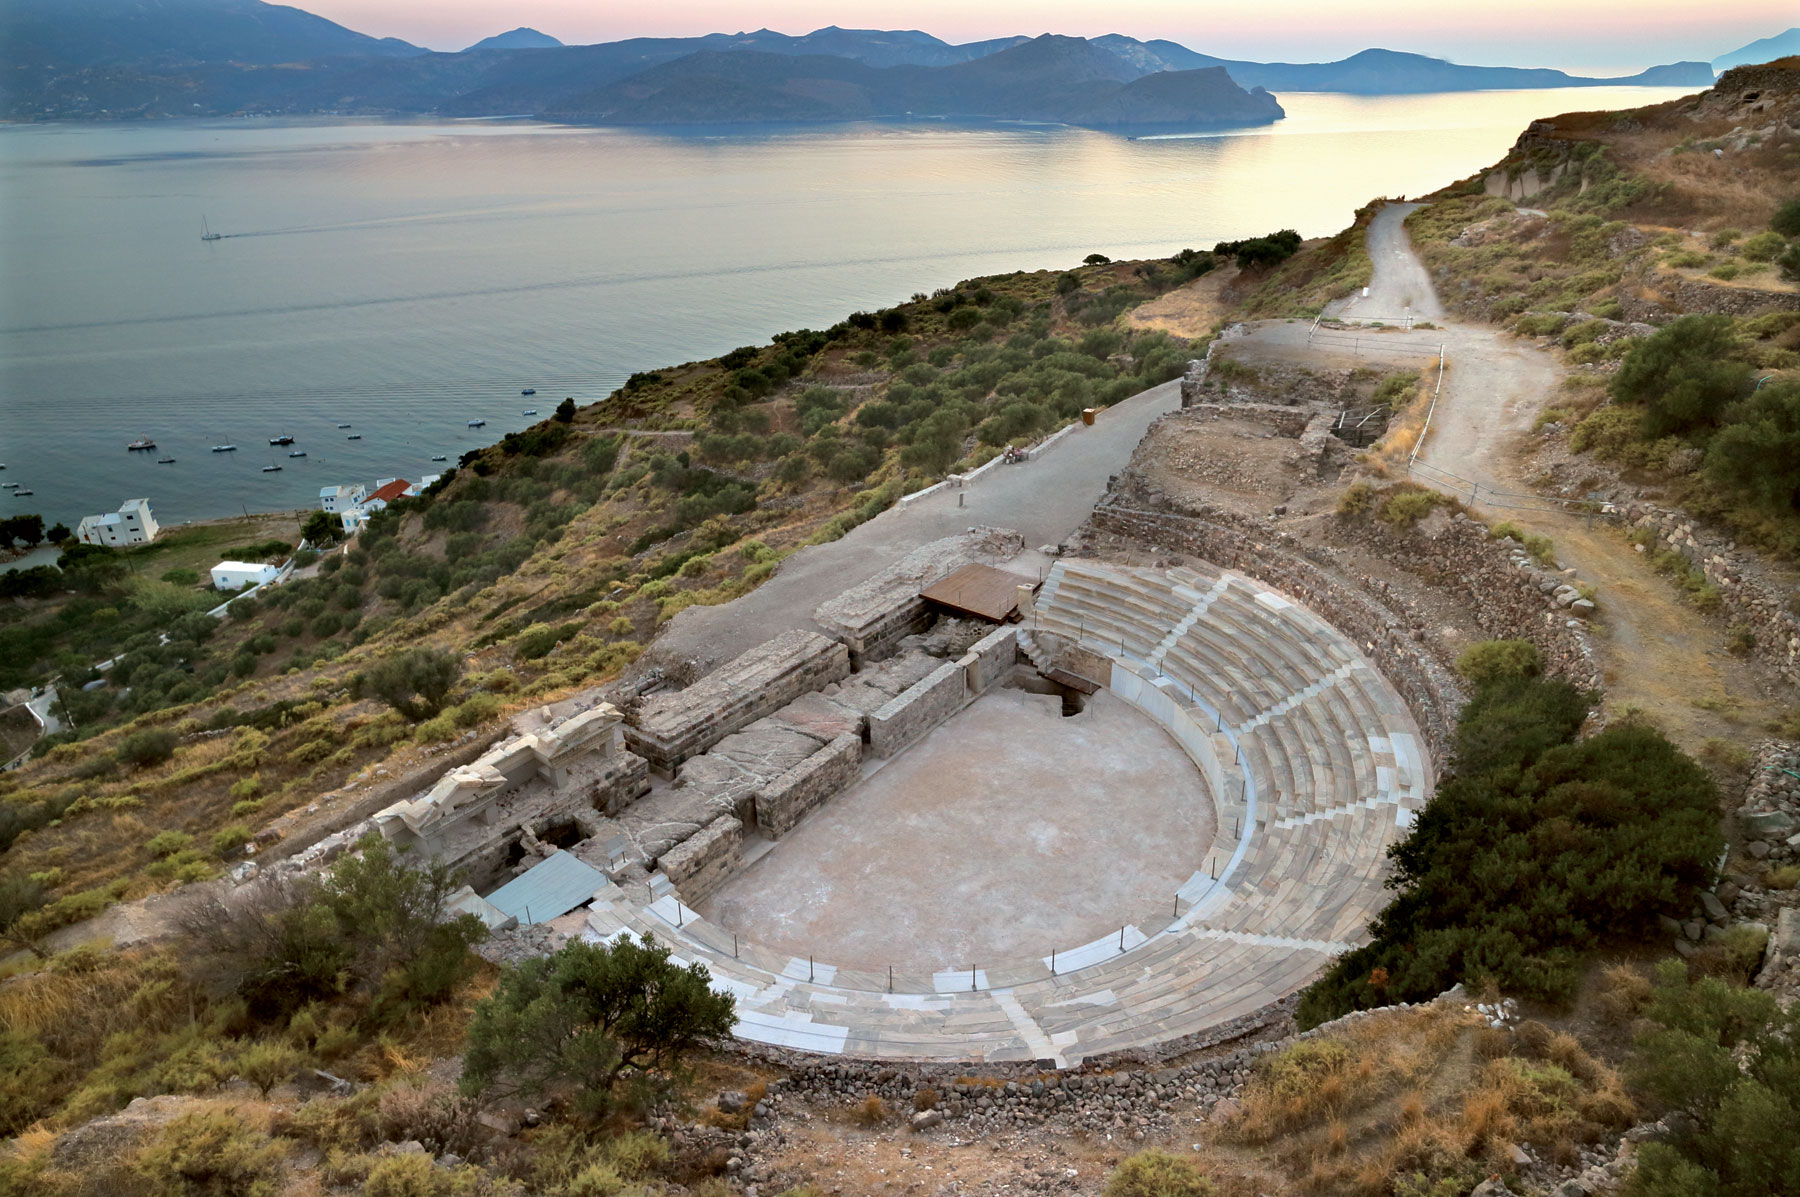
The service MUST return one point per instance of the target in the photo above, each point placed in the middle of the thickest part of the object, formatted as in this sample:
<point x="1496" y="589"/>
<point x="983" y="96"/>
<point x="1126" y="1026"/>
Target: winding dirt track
<point x="1658" y="654"/>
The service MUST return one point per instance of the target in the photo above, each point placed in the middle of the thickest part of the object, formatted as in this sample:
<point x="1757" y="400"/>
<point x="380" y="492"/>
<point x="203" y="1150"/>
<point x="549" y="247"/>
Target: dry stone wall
<point x="915" y="712"/>
<point x="667" y="729"/>
<point x="787" y="799"/>
<point x="1511" y="596"/>
<point x="1751" y="596"/>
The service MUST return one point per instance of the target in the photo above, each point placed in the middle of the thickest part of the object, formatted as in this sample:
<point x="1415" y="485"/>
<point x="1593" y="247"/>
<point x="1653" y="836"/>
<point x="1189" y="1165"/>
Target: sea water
<point x="407" y="278"/>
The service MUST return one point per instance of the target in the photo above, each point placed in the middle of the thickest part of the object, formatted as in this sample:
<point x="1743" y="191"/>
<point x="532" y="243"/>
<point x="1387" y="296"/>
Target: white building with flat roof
<point x="235" y="575"/>
<point x="338" y="499"/>
<point x="131" y="524"/>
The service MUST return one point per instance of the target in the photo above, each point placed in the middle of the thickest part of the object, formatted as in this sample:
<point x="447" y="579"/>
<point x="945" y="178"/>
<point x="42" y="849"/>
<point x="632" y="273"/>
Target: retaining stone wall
<point x="1510" y="596"/>
<point x="787" y="799"/>
<point x="1430" y="690"/>
<point x="915" y="711"/>
<point x="700" y="864"/>
<point x="669" y="728"/>
<point x="1750" y="595"/>
<point x="989" y="659"/>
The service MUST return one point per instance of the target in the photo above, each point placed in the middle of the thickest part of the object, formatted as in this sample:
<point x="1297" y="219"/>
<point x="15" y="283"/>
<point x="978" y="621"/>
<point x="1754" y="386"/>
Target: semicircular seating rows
<point x="1316" y="767"/>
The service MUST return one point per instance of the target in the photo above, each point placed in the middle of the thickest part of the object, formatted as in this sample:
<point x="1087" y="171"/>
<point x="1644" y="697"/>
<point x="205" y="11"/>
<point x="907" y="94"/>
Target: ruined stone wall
<point x="669" y="728"/>
<point x="700" y="864"/>
<point x="1430" y="690"/>
<point x="1751" y="595"/>
<point x="787" y="799"/>
<point x="1285" y="421"/>
<point x="989" y="659"/>
<point x="872" y="617"/>
<point x="917" y="710"/>
<point x="1509" y="595"/>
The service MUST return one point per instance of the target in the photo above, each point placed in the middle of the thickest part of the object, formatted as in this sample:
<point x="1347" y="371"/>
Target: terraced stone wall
<point x="1509" y="595"/>
<point x="1751" y="595"/>
<point x="1395" y="647"/>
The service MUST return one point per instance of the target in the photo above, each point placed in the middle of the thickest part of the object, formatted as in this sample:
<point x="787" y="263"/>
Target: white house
<point x="131" y="524"/>
<point x="235" y="575"/>
<point x="339" y="499"/>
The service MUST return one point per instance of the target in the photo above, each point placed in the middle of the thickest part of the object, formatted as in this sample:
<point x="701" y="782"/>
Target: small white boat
<point x="354" y="436"/>
<point x="477" y="423"/>
<point x="11" y="485"/>
<point x="440" y="457"/>
<point x="19" y="494"/>
<point x="224" y="448"/>
<point x="270" y="469"/>
<point x="343" y="425"/>
<point x="298" y="453"/>
<point x="531" y="411"/>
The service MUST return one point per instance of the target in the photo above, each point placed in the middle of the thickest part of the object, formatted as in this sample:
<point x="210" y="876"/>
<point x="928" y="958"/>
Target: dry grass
<point x="1430" y="1094"/>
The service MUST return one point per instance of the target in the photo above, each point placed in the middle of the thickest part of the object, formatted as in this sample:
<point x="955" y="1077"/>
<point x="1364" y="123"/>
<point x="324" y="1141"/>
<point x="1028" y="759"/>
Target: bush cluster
<point x="1537" y="848"/>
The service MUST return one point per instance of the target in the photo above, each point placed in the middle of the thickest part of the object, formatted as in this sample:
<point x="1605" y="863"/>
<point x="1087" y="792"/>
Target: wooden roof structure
<point x="980" y="591"/>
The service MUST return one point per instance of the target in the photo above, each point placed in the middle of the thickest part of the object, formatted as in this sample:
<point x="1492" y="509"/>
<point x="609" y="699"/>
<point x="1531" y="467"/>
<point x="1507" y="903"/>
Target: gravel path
<point x="1401" y="285"/>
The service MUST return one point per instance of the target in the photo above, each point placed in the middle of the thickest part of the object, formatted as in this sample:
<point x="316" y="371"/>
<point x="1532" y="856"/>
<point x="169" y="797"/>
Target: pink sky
<point x="1567" y="33"/>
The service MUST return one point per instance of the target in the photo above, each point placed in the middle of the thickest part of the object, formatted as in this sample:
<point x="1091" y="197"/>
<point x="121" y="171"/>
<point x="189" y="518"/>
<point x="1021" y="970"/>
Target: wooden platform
<point x="980" y="591"/>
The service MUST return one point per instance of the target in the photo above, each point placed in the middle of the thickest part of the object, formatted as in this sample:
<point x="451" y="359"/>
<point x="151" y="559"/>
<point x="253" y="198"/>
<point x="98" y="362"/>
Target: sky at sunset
<point x="1576" y="34"/>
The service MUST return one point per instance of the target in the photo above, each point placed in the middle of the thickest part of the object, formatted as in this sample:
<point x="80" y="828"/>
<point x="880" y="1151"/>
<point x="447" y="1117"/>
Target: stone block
<point x="1770" y="824"/>
<point x="809" y="784"/>
<point x="700" y="864"/>
<point x="670" y="728"/>
<point x="989" y="659"/>
<point x="922" y="707"/>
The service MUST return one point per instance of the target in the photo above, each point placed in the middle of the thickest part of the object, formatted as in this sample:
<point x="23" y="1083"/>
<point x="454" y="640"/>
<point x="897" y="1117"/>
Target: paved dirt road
<point x="1046" y="499"/>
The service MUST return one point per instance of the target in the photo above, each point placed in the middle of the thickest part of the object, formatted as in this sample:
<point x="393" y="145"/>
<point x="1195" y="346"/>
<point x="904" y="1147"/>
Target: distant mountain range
<point x="157" y="58"/>
<point x="516" y="39"/>
<point x="1766" y="49"/>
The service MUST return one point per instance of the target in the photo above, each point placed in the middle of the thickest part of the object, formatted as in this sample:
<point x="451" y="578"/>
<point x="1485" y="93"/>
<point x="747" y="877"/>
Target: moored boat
<point x="477" y="423"/>
<point x="283" y="439"/>
<point x="529" y="391"/>
<point x="141" y="443"/>
<point x="439" y="457"/>
<point x="224" y="448"/>
<point x="270" y="469"/>
<point x="354" y="436"/>
<point x="298" y="453"/>
<point x="165" y="461"/>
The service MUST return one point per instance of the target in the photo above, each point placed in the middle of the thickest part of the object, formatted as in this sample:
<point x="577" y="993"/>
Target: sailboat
<point x="207" y="234"/>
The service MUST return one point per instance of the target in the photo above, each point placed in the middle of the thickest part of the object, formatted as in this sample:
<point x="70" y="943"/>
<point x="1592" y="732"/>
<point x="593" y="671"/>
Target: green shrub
<point x="167" y="843"/>
<point x="477" y="708"/>
<point x="1537" y="848"/>
<point x="592" y="1015"/>
<point x="267" y="1063"/>
<point x="1493" y="661"/>
<point x="152" y="746"/>
<point x="1730" y="1059"/>
<point x="372" y="927"/>
<point x="181" y="577"/>
<point x="229" y="839"/>
<point x="211" y="1152"/>
<point x="1683" y="375"/>
<point x="1408" y="507"/>
<point x="1158" y="1173"/>
<point x="1764" y="247"/>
